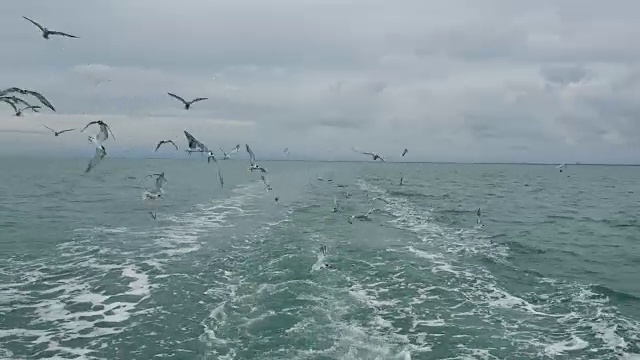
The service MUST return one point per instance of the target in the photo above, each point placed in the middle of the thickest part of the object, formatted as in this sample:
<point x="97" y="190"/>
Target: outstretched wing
<point x="178" y="97"/>
<point x="235" y="149"/>
<point x="62" y="34"/>
<point x="158" y="145"/>
<point x="40" y="97"/>
<point x="405" y="152"/>
<point x="10" y="103"/>
<point x="64" y="131"/>
<point x="34" y="23"/>
<point x="192" y="140"/>
<point x="252" y="157"/>
<point x="53" y="131"/>
<point x="196" y="100"/>
<point x="172" y="143"/>
<point x="220" y="178"/>
<point x="89" y="124"/>
<point x="109" y="130"/>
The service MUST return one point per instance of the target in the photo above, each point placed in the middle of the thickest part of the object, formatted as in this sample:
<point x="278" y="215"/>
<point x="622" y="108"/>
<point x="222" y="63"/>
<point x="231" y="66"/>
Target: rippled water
<point x="229" y="273"/>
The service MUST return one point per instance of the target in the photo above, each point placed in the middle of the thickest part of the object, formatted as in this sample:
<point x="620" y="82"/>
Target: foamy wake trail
<point x="561" y="318"/>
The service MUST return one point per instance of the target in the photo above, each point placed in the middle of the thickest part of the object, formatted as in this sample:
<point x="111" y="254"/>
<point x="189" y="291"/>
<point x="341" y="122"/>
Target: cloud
<point x="514" y="81"/>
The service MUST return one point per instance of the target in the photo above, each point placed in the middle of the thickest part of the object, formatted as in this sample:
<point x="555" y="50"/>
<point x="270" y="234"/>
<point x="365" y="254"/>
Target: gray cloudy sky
<point x="455" y="80"/>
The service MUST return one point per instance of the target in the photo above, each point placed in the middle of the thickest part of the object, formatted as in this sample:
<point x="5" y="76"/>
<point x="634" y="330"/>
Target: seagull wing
<point x="41" y="98"/>
<point x="235" y="149"/>
<point x="381" y="159"/>
<point x="89" y="124"/>
<point x="172" y="143"/>
<point x="64" y="131"/>
<point x="53" y="131"/>
<point x="196" y="100"/>
<point x="16" y="100"/>
<point x="100" y="154"/>
<point x="178" y="97"/>
<point x="220" y="178"/>
<point x="158" y="146"/>
<point x="224" y="153"/>
<point x="192" y="140"/>
<point x="405" y="152"/>
<point x="33" y="108"/>
<point x="252" y="157"/>
<point x="34" y="23"/>
<point x="62" y="34"/>
<point x="10" y="103"/>
<point x="370" y="211"/>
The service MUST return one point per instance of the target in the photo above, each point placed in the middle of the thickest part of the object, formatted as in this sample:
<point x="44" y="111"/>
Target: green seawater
<point x="228" y="273"/>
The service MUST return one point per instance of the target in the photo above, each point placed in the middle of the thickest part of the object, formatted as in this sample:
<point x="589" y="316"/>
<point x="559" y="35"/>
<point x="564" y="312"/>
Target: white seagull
<point x="227" y="155"/>
<point x="104" y="128"/>
<point x="46" y="32"/>
<point x="36" y="94"/>
<point x="101" y="152"/>
<point x="187" y="104"/>
<point x="373" y="154"/>
<point x="194" y="144"/>
<point x="252" y="160"/>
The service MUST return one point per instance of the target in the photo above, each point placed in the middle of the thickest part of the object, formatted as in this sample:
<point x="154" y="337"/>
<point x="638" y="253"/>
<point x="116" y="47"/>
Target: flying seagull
<point x="194" y="144"/>
<point x="252" y="160"/>
<point x="187" y="104"/>
<point x="101" y="152"/>
<point x="36" y="94"/>
<point x="220" y="178"/>
<point x="57" y="133"/>
<point x="166" y="142"/>
<point x="405" y="152"/>
<point x="266" y="183"/>
<point x="104" y="127"/>
<point x="227" y="155"/>
<point x="286" y="151"/>
<point x="374" y="155"/>
<point x="561" y="167"/>
<point x="160" y="181"/>
<point x="46" y="32"/>
<point x="33" y="108"/>
<point x="362" y="217"/>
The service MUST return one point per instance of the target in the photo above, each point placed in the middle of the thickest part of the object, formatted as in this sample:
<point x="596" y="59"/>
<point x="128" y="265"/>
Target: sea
<point x="551" y="271"/>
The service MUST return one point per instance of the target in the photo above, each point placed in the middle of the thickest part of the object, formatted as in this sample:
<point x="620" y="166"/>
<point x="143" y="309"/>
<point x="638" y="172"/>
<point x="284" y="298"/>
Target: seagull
<point x="101" y="152"/>
<point x="33" y="108"/>
<point x="166" y="142"/>
<point x="336" y="207"/>
<point x="227" y="155"/>
<point x="104" y="127"/>
<point x="252" y="160"/>
<point x="57" y="133"/>
<point x="363" y="217"/>
<point x="160" y="181"/>
<point x="46" y="32"/>
<point x="153" y="215"/>
<point x="378" y="198"/>
<point x="405" y="152"/>
<point x="187" y="104"/>
<point x="561" y="167"/>
<point x="220" y="178"/>
<point x="479" y="213"/>
<point x="374" y="155"/>
<point x="36" y="94"/>
<point x="194" y="144"/>
<point x="286" y="151"/>
<point x="277" y="199"/>
<point x="266" y="183"/>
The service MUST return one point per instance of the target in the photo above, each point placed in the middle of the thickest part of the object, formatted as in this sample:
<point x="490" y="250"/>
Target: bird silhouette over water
<point x="46" y="32"/>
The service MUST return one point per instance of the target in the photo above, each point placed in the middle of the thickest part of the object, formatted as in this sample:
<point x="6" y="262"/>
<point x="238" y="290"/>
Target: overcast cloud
<point x="455" y="80"/>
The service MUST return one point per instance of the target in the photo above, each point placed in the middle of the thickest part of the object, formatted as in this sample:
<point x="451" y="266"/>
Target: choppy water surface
<point x="85" y="273"/>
